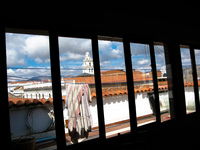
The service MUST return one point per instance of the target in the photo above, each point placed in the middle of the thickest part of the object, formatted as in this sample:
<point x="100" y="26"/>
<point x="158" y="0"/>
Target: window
<point x="197" y="59"/>
<point x="188" y="79"/>
<point x="28" y="72"/>
<point x="77" y="76"/>
<point x="162" y="81"/>
<point x="114" y="87"/>
<point x="143" y="83"/>
<point x="29" y="79"/>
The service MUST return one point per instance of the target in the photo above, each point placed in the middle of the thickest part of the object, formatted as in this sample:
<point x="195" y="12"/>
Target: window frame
<point x="195" y="80"/>
<point x="56" y="81"/>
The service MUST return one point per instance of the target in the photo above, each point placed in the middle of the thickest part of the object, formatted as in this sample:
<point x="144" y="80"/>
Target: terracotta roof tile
<point x="188" y="84"/>
<point x="111" y="91"/>
<point x="110" y="78"/>
<point x="120" y="92"/>
<point x="26" y="102"/>
<point x="93" y="95"/>
<point x="113" y="72"/>
<point x="106" y="92"/>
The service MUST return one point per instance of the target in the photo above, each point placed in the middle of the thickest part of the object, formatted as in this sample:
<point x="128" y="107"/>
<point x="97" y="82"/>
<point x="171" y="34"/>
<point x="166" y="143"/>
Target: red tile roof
<point x="113" y="72"/>
<point x="106" y="92"/>
<point x="191" y="83"/>
<point x="111" y="91"/>
<point x="29" y="101"/>
<point x="109" y="79"/>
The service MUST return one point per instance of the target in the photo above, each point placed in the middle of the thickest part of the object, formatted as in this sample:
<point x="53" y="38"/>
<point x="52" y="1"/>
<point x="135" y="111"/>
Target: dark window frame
<point x="54" y="53"/>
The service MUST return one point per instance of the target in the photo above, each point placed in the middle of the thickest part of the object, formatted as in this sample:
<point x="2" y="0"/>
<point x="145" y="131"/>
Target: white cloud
<point x="110" y="50"/>
<point x="144" y="62"/>
<point x="197" y="56"/>
<point x="15" y="57"/>
<point x="37" y="48"/>
<point x="15" y="41"/>
<point x="33" y="50"/>
<point x="74" y="46"/>
<point x="29" y="72"/>
<point x="14" y="49"/>
<point x="144" y="69"/>
<point x="105" y="64"/>
<point x="185" y="57"/>
<point x="10" y="72"/>
<point x="21" y="47"/>
<point x="38" y="60"/>
<point x="104" y="45"/>
<point x="71" y="56"/>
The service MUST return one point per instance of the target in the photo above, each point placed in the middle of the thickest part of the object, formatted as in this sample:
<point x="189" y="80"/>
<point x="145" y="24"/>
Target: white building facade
<point x="88" y="64"/>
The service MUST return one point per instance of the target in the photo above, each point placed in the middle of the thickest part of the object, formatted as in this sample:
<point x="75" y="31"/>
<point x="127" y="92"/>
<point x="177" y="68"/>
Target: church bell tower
<point x="88" y="64"/>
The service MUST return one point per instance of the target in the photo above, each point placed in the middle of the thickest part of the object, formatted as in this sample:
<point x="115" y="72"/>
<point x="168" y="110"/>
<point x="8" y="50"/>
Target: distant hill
<point x="85" y="75"/>
<point x="15" y="79"/>
<point x="37" y="78"/>
<point x="45" y="78"/>
<point x="40" y="78"/>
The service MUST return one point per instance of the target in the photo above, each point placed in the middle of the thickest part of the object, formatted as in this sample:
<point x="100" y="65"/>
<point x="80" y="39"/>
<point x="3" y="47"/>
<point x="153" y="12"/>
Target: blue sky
<point x="31" y="51"/>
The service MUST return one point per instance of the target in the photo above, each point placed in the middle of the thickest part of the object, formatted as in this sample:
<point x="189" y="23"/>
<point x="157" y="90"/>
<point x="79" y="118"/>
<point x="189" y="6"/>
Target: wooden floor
<point x="111" y="131"/>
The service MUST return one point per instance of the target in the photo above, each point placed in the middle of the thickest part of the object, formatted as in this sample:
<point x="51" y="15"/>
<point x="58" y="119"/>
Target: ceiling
<point x="158" y="21"/>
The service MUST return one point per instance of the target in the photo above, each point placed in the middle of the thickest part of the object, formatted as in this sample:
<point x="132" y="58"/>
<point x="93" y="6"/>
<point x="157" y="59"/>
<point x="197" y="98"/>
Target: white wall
<point x="142" y="104"/>
<point x="115" y="109"/>
<point x="189" y="98"/>
<point x="41" y="92"/>
<point x="38" y="120"/>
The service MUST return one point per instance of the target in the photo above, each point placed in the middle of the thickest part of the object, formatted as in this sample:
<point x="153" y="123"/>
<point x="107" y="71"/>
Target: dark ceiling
<point x="159" y="21"/>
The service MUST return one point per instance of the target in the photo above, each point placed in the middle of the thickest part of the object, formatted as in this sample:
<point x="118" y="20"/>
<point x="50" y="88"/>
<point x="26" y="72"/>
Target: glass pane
<point x="197" y="59"/>
<point x="143" y="83"/>
<point x="114" y="88"/>
<point x="78" y="87"/>
<point x="30" y="89"/>
<point x="188" y="79"/>
<point x="162" y="81"/>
